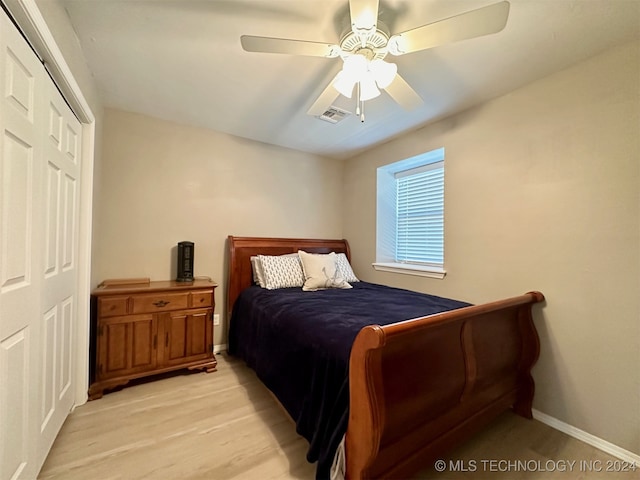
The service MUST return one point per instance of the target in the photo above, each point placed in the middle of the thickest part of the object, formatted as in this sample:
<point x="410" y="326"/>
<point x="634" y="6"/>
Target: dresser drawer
<point x="160" y="302"/>
<point x="112" y="306"/>
<point x="201" y="299"/>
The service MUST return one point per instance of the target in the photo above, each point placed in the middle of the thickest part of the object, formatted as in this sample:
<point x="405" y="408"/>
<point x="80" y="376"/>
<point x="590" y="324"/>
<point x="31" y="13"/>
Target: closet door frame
<point x="30" y="20"/>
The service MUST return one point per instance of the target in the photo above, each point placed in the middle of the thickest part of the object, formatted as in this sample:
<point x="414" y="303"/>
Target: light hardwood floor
<point x="225" y="425"/>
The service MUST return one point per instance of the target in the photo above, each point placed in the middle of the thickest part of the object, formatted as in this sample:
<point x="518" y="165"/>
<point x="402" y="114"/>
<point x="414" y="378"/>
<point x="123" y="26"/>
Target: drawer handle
<point x="161" y="303"/>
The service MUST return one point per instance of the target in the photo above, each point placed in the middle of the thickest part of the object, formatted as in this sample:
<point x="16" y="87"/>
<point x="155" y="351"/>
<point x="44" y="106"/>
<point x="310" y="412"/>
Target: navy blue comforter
<point x="299" y="344"/>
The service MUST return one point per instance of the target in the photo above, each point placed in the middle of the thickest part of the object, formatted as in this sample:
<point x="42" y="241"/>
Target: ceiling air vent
<point x="334" y="114"/>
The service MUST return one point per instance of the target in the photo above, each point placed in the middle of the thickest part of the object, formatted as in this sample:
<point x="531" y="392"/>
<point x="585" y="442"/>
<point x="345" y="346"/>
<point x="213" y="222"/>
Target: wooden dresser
<point x="149" y="328"/>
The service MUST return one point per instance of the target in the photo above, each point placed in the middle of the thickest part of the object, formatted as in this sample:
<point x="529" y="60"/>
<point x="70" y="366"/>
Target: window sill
<point x="409" y="269"/>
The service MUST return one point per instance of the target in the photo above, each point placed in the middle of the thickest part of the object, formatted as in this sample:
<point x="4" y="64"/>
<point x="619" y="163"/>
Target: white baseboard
<point x="220" y="348"/>
<point x="587" y="438"/>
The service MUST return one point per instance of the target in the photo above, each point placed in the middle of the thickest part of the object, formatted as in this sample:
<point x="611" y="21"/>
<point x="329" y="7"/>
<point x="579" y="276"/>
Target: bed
<point x="400" y="393"/>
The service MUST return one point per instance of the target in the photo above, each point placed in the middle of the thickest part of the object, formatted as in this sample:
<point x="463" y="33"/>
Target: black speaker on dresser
<point x="185" y="262"/>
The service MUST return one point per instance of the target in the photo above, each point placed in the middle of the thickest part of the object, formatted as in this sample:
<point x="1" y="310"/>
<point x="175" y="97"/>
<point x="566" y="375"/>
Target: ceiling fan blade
<point x="476" y="23"/>
<point x="364" y="15"/>
<point x="402" y="93"/>
<point x="291" y="47"/>
<point x="325" y="100"/>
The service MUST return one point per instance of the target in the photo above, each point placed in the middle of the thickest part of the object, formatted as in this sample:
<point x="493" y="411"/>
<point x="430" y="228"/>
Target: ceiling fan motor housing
<point x="374" y="45"/>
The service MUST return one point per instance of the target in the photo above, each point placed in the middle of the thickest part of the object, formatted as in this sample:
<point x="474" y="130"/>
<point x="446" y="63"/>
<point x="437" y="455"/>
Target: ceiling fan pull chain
<point x="359" y="102"/>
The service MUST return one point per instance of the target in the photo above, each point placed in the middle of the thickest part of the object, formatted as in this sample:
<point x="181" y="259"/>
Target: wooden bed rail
<point x="419" y="387"/>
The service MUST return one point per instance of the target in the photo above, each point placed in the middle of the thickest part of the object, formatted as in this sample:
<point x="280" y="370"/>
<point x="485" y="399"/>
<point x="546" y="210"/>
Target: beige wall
<point x="542" y="193"/>
<point x="163" y="183"/>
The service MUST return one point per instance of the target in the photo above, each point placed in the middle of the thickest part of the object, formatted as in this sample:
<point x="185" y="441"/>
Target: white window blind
<point x="420" y="215"/>
<point x="410" y="216"/>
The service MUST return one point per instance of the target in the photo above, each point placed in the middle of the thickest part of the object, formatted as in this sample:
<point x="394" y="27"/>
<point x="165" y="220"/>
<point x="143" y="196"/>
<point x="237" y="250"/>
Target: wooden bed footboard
<point x="420" y="387"/>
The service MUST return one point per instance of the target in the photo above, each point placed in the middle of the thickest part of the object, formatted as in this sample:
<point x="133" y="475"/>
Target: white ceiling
<point x="181" y="60"/>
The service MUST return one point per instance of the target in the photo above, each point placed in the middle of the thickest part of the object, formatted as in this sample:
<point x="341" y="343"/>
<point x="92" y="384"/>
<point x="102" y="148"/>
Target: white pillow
<point x="345" y="268"/>
<point x="321" y="271"/>
<point x="281" y="271"/>
<point x="258" y="274"/>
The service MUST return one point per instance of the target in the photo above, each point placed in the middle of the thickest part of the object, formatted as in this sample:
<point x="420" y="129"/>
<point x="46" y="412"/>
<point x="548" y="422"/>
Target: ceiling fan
<point x="365" y="46"/>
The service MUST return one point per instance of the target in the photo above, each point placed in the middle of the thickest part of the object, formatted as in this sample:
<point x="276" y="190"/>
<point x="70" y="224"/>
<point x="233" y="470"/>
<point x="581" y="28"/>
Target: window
<point x="410" y="216"/>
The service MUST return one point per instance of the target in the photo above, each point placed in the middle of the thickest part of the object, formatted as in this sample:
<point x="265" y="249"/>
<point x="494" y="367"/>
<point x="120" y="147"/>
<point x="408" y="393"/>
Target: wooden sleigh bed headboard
<point x="419" y="387"/>
<point x="241" y="249"/>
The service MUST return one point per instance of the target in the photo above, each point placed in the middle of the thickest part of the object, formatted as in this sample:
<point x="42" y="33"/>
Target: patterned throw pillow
<point x="321" y="271"/>
<point x="345" y="268"/>
<point x="281" y="271"/>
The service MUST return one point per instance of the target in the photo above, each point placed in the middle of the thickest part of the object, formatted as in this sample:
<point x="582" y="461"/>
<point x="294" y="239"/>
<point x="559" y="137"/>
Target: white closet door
<point x="39" y="175"/>
<point x="21" y="118"/>
<point x="61" y="162"/>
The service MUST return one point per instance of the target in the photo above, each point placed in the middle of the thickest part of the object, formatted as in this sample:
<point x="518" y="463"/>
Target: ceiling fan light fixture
<point x="344" y="84"/>
<point x="368" y="88"/>
<point x="355" y="68"/>
<point x="371" y="75"/>
<point x="383" y="72"/>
